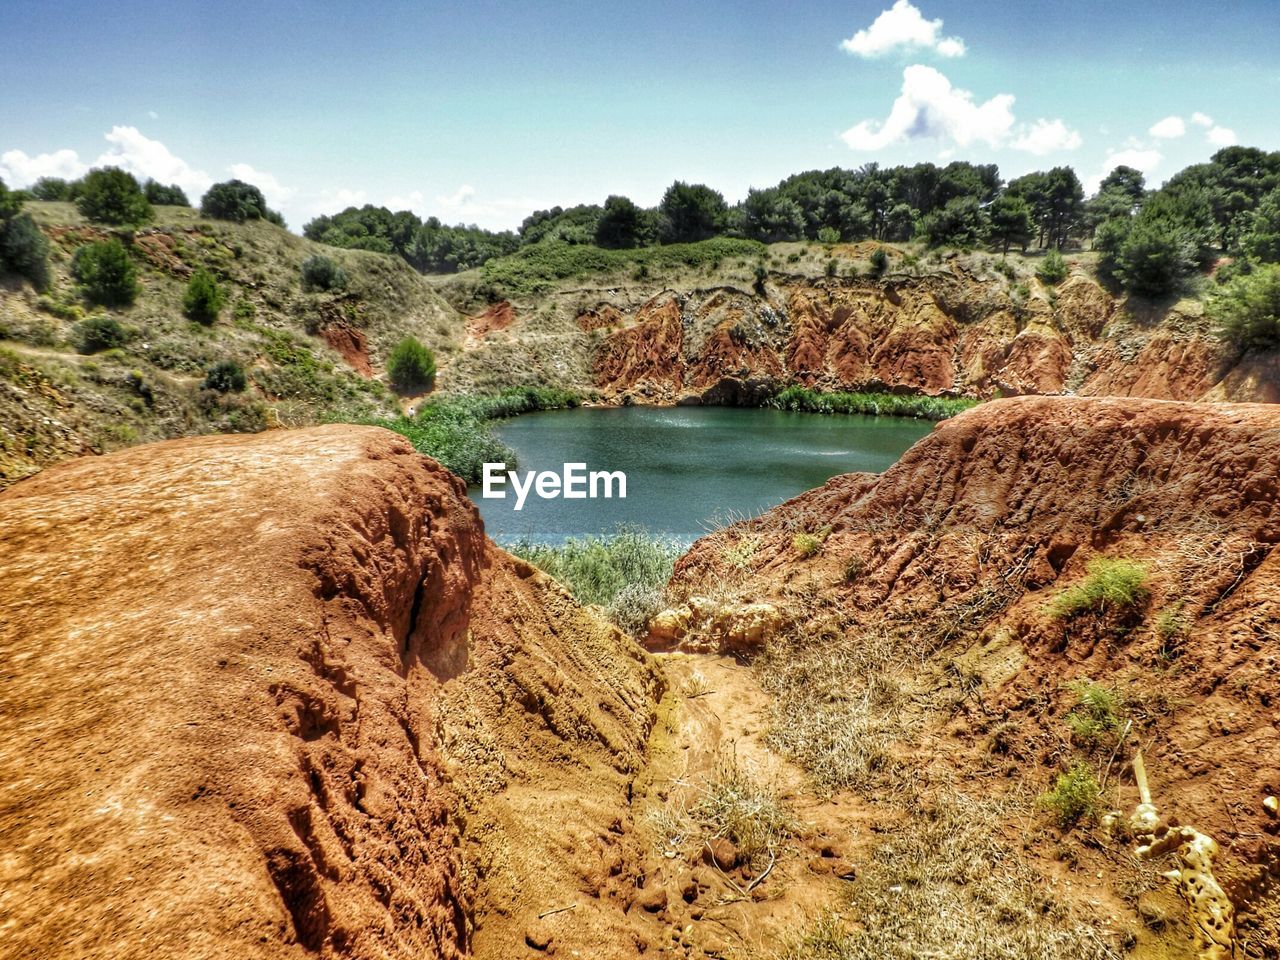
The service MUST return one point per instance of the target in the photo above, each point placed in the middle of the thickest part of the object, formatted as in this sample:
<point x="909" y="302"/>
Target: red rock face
<point x="248" y="683"/>
<point x="965" y="543"/>
<point x="646" y="358"/>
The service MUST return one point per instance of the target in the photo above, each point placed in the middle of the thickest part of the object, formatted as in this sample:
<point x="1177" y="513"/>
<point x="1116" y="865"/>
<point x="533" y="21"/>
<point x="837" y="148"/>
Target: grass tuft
<point x="804" y="400"/>
<point x="1111" y="584"/>
<point x="1075" y="796"/>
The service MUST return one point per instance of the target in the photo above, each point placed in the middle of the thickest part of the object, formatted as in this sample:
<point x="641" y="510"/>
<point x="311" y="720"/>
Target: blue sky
<point x="484" y="111"/>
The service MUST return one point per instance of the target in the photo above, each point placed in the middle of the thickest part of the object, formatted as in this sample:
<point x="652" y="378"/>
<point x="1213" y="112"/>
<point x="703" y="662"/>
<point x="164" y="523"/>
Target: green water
<point x="687" y="467"/>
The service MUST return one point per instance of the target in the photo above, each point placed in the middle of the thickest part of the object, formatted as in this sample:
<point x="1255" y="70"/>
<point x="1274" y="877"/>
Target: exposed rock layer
<point x="278" y="696"/>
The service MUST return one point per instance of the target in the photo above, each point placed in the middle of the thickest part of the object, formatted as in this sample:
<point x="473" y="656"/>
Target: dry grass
<point x="741" y="804"/>
<point x="942" y="887"/>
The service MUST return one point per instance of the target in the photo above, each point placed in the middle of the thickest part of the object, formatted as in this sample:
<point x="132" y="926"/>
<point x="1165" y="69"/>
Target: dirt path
<point x="710" y="734"/>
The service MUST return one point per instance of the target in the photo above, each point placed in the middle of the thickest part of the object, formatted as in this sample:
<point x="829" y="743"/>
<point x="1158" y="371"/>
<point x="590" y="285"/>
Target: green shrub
<point x="237" y="201"/>
<point x="625" y="572"/>
<point x="1098" y="714"/>
<point x="204" y="297"/>
<point x="225" y="376"/>
<point x="165" y="196"/>
<point x="1075" y="796"/>
<point x="51" y="188"/>
<point x="828" y="235"/>
<point x="244" y="309"/>
<point x="804" y="400"/>
<point x="411" y="366"/>
<point x="1247" y="309"/>
<point x="879" y="261"/>
<point x="111" y="195"/>
<point x="106" y="273"/>
<point x="1053" y="269"/>
<point x="24" y="250"/>
<point x="321" y="273"/>
<point x="455" y="431"/>
<point x="100" y="332"/>
<point x="832" y="267"/>
<point x="809" y="544"/>
<point x="1111" y="584"/>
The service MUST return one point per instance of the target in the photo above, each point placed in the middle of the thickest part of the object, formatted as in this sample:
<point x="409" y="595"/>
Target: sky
<point x="481" y="112"/>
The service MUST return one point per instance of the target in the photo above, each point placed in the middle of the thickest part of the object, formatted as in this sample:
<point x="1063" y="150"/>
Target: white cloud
<point x="146" y="158"/>
<point x="902" y="27"/>
<point x="18" y="169"/>
<point x="1201" y="119"/>
<point x="929" y="107"/>
<point x="1170" y="128"/>
<point x="1221" y="136"/>
<point x="1047" y="136"/>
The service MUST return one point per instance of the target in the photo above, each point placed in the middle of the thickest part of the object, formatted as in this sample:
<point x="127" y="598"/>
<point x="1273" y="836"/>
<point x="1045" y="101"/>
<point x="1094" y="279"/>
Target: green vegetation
<point x="237" y="201"/>
<point x="23" y="248"/>
<point x="1099" y="714"/>
<point x="165" y="196"/>
<point x="1075" y="796"/>
<point x="626" y="572"/>
<point x="106" y="273"/>
<point x="204" y="297"/>
<point x="1052" y="269"/>
<point x="225" y="376"/>
<point x="100" y="332"/>
<point x="112" y="196"/>
<point x="321" y="273"/>
<point x="1111" y="584"/>
<point x="411" y="366"/>
<point x="879" y="261"/>
<point x="1247" y="308"/>
<point x="691" y="212"/>
<point x="804" y="400"/>
<point x="1009" y="223"/>
<point x="810" y="544"/>
<point x="537" y="268"/>
<point x="455" y="430"/>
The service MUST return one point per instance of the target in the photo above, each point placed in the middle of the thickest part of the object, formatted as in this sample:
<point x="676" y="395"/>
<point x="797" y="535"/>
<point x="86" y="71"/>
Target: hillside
<point x="741" y="320"/>
<point x="307" y="356"/>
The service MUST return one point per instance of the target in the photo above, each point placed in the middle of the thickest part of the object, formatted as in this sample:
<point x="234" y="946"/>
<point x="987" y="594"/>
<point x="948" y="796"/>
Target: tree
<point x="51" y="188"/>
<point x="1248" y="309"/>
<point x="1009" y="223"/>
<point x="770" y="217"/>
<point x="411" y="366"/>
<point x="106" y="273"/>
<point x="10" y="202"/>
<point x="1056" y="199"/>
<point x="110" y="195"/>
<point x="621" y="224"/>
<point x="225" y="376"/>
<point x="102" y="333"/>
<point x="958" y="224"/>
<point x="24" y="250"/>
<point x="170" y="196"/>
<point x="1125" y="181"/>
<point x="691" y="212"/>
<point x="1262" y="241"/>
<point x="204" y="297"/>
<point x="237" y="201"/>
<point x="1156" y="257"/>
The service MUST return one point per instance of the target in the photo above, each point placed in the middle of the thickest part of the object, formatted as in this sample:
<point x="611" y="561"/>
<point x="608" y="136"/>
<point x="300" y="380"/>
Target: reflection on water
<point x="686" y="467"/>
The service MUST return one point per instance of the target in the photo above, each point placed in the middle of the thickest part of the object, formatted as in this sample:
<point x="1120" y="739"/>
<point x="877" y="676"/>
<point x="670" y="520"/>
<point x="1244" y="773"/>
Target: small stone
<point x="843" y="869"/>
<point x="1272" y="806"/>
<point x="538" y="934"/>
<point x="720" y="852"/>
<point x="652" y="899"/>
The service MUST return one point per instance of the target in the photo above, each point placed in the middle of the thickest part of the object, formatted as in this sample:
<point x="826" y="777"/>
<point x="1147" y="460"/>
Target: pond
<point x="687" y="468"/>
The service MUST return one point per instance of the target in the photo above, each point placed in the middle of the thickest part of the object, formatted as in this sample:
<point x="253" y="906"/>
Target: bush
<point x="1053" y="269"/>
<point x="237" y="201"/>
<point x="1075" y="796"/>
<point x="165" y="196"/>
<point x="204" y="298"/>
<point x="809" y="544"/>
<point x="106" y="273"/>
<point x="51" y="188"/>
<point x="625" y="572"/>
<point x="411" y="366"/>
<point x="24" y="250"/>
<point x="1110" y="585"/>
<point x="1262" y="241"/>
<point x="828" y="235"/>
<point x="111" y="195"/>
<point x="225" y="376"/>
<point x="1099" y="713"/>
<point x="101" y="332"/>
<point x="321" y="273"/>
<point x="1247" y="309"/>
<point x="804" y="400"/>
<point x="879" y="261"/>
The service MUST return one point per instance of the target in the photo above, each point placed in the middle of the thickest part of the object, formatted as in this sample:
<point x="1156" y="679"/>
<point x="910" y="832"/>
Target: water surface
<point x="686" y="467"/>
